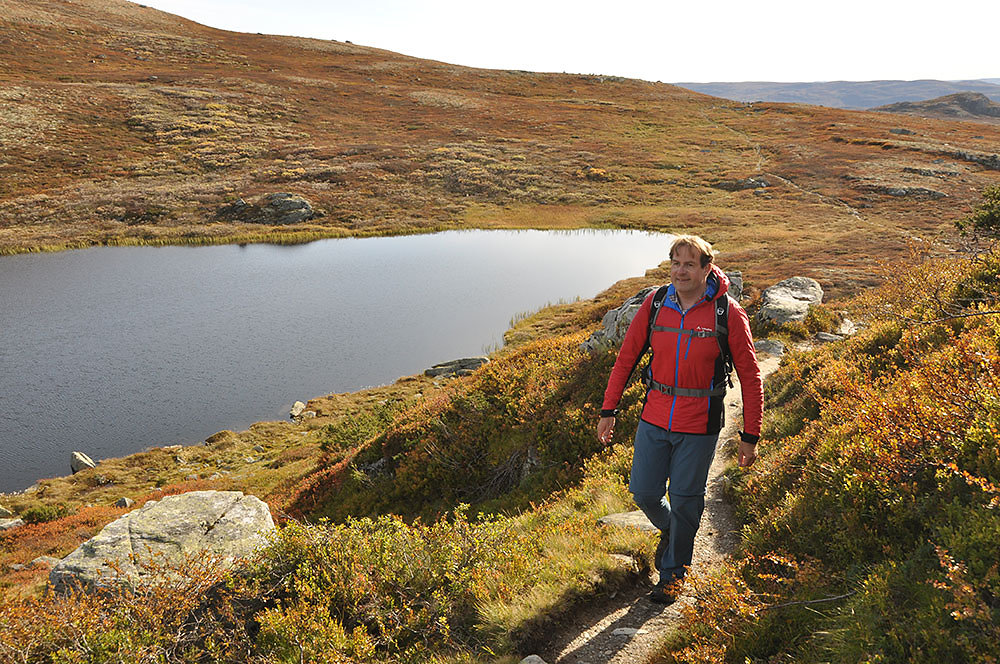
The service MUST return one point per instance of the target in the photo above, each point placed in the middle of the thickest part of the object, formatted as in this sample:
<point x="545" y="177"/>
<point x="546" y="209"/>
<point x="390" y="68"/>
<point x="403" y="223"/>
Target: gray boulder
<point x="223" y="524"/>
<point x="735" y="284"/>
<point x="78" y="461"/>
<point x="297" y="409"/>
<point x="460" y="367"/>
<point x="769" y="346"/>
<point x="615" y="323"/>
<point x="789" y="300"/>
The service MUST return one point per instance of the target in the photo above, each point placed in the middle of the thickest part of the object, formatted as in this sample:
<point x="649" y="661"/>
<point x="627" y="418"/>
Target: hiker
<point x="696" y="335"/>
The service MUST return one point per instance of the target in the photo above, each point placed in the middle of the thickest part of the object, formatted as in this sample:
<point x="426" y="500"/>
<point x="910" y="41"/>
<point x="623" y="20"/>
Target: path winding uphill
<point x="625" y="627"/>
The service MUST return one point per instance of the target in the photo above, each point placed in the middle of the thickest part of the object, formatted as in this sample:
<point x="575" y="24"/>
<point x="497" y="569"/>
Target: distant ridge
<point x="856" y="95"/>
<point x="961" y="106"/>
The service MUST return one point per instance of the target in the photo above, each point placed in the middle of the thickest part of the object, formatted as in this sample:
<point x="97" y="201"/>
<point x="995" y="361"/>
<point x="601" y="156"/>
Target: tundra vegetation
<point x="453" y="520"/>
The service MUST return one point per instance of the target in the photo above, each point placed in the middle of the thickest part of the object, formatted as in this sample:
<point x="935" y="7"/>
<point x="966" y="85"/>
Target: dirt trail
<point x="625" y="627"/>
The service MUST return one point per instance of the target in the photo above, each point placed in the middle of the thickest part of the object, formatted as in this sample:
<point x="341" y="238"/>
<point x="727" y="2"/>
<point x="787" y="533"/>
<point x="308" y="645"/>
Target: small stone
<point x="309" y="414"/>
<point x="79" y="461"/>
<point x="634" y="519"/>
<point x="191" y="477"/>
<point x="532" y="659"/>
<point x="215" y="476"/>
<point x="770" y="346"/>
<point x="5" y="513"/>
<point x="628" y="631"/>
<point x="125" y="502"/>
<point x="297" y="409"/>
<point x="249" y="460"/>
<point x="259" y="448"/>
<point x="8" y="524"/>
<point x="826" y="337"/>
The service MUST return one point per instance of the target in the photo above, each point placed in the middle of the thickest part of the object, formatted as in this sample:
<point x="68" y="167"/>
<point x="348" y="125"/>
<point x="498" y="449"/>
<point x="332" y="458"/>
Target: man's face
<point x="687" y="273"/>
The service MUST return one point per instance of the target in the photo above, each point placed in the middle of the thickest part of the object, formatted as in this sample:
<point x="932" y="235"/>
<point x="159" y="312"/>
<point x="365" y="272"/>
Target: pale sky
<point x="695" y="41"/>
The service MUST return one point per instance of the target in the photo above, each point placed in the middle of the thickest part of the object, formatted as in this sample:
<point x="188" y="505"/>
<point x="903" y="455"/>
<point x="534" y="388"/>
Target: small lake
<point x="113" y="350"/>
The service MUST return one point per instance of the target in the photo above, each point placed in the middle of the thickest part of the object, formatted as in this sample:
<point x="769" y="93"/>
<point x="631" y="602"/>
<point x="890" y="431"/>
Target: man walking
<point x="684" y="411"/>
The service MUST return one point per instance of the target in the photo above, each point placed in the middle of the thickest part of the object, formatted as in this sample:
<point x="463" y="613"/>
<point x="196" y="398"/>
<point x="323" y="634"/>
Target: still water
<point x="113" y="350"/>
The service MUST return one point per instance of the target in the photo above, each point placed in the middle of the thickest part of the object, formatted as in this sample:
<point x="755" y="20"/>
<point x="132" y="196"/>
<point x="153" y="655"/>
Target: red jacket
<point x="684" y="361"/>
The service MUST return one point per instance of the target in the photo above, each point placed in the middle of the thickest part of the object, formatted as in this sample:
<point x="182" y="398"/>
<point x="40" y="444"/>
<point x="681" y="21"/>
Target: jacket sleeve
<point x="633" y="347"/>
<point x="745" y="361"/>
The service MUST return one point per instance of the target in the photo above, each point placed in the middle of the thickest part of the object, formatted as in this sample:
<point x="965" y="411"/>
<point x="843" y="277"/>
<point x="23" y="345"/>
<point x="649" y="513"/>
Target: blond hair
<point x="696" y="244"/>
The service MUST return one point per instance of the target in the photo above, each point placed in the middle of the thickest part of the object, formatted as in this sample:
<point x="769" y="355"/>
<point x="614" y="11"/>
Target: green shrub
<point x="43" y="513"/>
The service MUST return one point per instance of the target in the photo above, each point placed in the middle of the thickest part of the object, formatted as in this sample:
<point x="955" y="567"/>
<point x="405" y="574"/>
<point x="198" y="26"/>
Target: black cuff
<point x="609" y="412"/>
<point x="749" y="438"/>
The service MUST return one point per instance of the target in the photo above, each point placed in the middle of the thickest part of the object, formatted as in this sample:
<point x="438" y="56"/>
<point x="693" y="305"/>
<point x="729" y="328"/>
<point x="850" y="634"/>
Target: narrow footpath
<point x="625" y="628"/>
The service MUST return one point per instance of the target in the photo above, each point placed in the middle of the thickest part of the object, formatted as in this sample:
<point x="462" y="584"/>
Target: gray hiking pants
<point x="683" y="460"/>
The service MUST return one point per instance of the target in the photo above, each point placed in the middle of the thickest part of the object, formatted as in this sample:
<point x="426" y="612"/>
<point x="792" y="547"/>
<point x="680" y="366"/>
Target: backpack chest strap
<point x="700" y="334"/>
<point x="670" y="390"/>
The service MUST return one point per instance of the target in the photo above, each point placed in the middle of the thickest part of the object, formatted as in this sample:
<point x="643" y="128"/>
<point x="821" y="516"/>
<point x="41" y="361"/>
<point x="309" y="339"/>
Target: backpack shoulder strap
<point x="654" y="309"/>
<point x="722" y="306"/>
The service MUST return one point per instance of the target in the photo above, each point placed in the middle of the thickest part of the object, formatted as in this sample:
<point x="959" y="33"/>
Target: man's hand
<point x="605" y="429"/>
<point x="747" y="454"/>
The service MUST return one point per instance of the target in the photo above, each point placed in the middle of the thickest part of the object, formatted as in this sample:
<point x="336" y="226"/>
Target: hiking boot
<point x="661" y="548"/>
<point x="664" y="592"/>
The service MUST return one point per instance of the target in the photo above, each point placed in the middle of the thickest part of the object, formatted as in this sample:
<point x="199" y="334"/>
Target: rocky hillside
<point x="122" y="124"/>
<point x="962" y="106"/>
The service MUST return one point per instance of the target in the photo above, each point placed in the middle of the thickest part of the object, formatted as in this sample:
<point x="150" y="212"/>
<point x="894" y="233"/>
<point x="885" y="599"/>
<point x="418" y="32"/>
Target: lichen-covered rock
<point x="789" y="300"/>
<point x="224" y="524"/>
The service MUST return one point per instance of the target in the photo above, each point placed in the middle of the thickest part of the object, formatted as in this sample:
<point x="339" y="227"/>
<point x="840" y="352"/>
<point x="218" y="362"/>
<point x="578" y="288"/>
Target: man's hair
<point x="697" y="245"/>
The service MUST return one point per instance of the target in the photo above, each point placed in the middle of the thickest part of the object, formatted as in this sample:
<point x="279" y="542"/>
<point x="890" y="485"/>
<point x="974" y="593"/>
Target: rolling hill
<point x="123" y="124"/>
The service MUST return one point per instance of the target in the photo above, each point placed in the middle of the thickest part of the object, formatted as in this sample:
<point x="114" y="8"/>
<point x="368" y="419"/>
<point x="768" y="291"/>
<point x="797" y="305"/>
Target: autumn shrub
<point x="189" y="615"/>
<point x="384" y="590"/>
<point x="511" y="432"/>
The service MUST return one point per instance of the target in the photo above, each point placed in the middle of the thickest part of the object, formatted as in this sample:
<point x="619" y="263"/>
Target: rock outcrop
<point x="78" y="461"/>
<point x="742" y="184"/>
<point x="278" y="209"/>
<point x="223" y="524"/>
<point x="460" y="367"/>
<point x="789" y="300"/>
